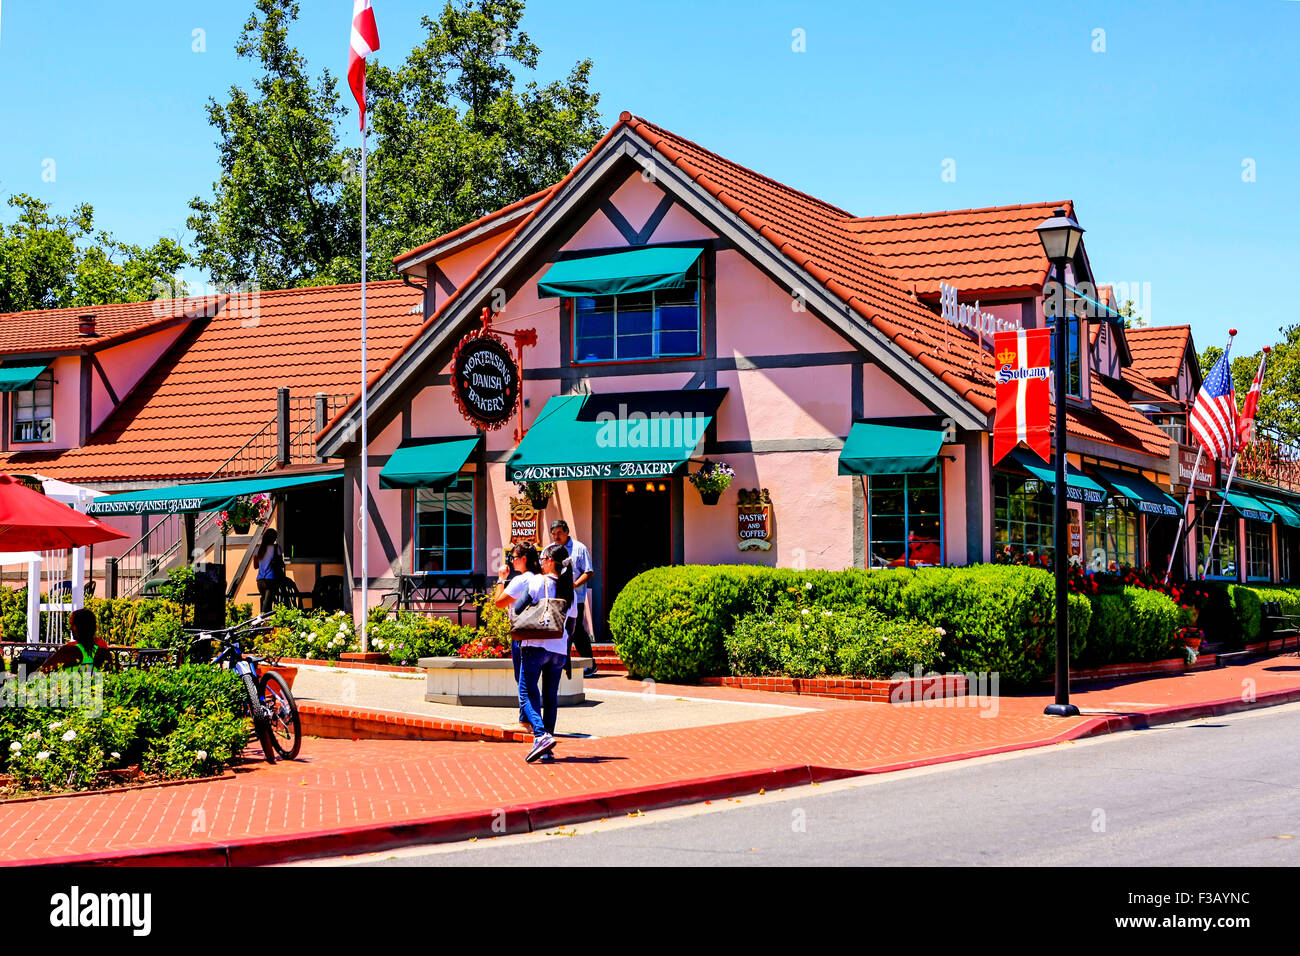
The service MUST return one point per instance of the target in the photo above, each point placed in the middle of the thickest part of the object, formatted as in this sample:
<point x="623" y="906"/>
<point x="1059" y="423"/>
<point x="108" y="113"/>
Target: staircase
<point x="607" y="659"/>
<point x="287" y="437"/>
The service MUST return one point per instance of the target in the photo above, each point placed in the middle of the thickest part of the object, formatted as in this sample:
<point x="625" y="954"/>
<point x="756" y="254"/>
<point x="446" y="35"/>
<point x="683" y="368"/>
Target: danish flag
<point x="1023" y="363"/>
<point x="365" y="40"/>
<point x="1246" y="426"/>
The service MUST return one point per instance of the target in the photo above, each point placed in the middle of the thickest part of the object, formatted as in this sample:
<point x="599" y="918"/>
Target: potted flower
<point x="243" y="512"/>
<point x="712" y="480"/>
<point x="538" y="493"/>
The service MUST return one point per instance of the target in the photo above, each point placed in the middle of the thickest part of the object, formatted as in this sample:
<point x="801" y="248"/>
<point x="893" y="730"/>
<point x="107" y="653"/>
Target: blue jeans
<point x="514" y="659"/>
<point x="539" y="708"/>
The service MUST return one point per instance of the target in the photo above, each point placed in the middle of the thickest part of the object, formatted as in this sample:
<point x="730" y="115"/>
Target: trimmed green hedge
<point x="671" y="623"/>
<point x="1134" y="624"/>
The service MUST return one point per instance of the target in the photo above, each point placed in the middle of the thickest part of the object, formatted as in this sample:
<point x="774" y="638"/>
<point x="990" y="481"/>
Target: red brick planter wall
<point x="358" y="723"/>
<point x="847" y="688"/>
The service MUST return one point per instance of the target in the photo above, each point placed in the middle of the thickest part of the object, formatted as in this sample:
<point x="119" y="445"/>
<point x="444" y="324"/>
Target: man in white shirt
<point x="583" y="571"/>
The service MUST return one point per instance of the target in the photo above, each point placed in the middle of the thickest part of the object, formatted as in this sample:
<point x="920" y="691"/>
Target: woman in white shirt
<point x="541" y="659"/>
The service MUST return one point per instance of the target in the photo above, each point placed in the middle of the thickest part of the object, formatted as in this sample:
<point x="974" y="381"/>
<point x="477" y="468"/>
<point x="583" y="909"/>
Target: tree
<point x="453" y="139"/>
<point x="1279" y="397"/>
<point x="49" y="261"/>
<point x="279" y="214"/>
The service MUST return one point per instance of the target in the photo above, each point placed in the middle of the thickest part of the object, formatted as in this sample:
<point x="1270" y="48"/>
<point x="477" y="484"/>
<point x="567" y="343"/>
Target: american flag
<point x="1214" y="415"/>
<point x="1246" y="427"/>
<point x="365" y="40"/>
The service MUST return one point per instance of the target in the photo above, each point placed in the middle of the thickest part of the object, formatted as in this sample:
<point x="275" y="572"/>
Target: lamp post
<point x="1060" y="237"/>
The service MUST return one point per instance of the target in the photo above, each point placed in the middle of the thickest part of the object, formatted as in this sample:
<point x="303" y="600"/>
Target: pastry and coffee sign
<point x="484" y="380"/>
<point x="754" y="519"/>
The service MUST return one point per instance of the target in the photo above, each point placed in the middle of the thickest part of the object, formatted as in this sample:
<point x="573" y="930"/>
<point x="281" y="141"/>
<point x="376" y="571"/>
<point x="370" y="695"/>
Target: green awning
<point x="199" y="496"/>
<point x="621" y="435"/>
<point x="637" y="270"/>
<point x="426" y="463"/>
<point x="1078" y="486"/>
<point x="1145" y="494"/>
<point x="1290" y="517"/>
<point x="1248" y="506"/>
<point x="15" y="378"/>
<point x="873" y="449"/>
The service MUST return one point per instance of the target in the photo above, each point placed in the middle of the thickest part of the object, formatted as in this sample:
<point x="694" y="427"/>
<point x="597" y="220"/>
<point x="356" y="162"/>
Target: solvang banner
<point x="1023" y="365"/>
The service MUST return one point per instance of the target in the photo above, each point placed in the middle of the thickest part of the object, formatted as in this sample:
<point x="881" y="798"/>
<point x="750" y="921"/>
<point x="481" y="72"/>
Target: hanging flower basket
<point x="713" y="478"/>
<point x="538" y="493"/>
<point x="243" y="513"/>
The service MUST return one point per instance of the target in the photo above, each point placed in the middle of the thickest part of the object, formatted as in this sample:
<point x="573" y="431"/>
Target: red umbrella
<point x="29" y="521"/>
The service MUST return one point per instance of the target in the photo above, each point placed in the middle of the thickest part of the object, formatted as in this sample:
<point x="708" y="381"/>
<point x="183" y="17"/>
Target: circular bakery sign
<point x="485" y="380"/>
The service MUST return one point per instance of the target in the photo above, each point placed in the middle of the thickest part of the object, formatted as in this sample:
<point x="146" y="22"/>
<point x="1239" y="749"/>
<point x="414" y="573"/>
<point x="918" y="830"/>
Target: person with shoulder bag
<point x="537" y="622"/>
<point x="270" y="568"/>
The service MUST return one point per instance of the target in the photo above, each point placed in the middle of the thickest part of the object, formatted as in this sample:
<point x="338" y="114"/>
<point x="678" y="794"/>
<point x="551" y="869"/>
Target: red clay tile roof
<point x="217" y="387"/>
<point x="478" y="226"/>
<point x="55" y="330"/>
<point x="1114" y="422"/>
<point x="980" y="251"/>
<point x="1158" y="350"/>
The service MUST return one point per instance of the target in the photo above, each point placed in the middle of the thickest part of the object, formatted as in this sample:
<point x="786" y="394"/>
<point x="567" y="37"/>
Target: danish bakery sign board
<point x="1022" y="367"/>
<point x="484" y="380"/>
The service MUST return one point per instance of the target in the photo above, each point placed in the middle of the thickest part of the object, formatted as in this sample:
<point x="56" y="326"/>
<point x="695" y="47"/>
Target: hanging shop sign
<point x="485" y="380"/>
<point x="1185" y="462"/>
<point x="1023" y="363"/>
<point x="525" y="522"/>
<point x="754" y="519"/>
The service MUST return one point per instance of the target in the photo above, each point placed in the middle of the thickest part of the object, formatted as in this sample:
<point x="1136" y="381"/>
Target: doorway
<point x="1162" y="536"/>
<point x="638" y="532"/>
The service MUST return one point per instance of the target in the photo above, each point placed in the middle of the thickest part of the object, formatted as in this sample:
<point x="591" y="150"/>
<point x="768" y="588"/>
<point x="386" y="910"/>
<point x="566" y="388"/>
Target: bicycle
<point x="270" y="702"/>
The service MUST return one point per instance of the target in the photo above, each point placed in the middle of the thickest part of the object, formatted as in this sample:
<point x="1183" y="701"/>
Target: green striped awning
<point x="199" y="496"/>
<point x="1146" y="495"/>
<point x="426" y="463"/>
<point x="638" y="270"/>
<point x="1078" y="486"/>
<point x="15" y="378"/>
<point x="874" y="449"/>
<point x="1248" y="506"/>
<point x="1287" y="512"/>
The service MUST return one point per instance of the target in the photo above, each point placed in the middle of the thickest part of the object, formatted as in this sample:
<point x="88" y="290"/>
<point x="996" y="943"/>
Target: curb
<point x="530" y="817"/>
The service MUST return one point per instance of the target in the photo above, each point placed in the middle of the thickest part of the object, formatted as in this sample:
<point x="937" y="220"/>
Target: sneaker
<point x="590" y="671"/>
<point x="546" y="758"/>
<point x="541" y="745"/>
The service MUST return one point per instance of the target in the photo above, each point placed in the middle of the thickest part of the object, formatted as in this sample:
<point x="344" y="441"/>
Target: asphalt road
<point x="1224" y="791"/>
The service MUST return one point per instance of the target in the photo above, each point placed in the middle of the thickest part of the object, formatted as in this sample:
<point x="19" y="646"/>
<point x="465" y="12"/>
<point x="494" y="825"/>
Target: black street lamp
<point x="1060" y="237"/>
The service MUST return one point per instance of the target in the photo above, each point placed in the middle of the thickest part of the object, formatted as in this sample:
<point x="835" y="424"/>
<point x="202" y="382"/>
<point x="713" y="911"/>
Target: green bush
<point x="1247" y="610"/>
<point x="671" y="623"/>
<point x="1134" y="624"/>
<point x="172" y="722"/>
<point x="409" y="636"/>
<point x="309" y="635"/>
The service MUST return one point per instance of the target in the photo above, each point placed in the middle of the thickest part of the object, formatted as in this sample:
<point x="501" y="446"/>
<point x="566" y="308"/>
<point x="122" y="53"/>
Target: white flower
<point x="115" y="755"/>
<point x="15" y="747"/>
<point x="202" y="755"/>
<point x="807" y="586"/>
<point x="826" y="613"/>
<point x="43" y="755"/>
<point x="70" y="735"/>
<point x="56" y="725"/>
<point x="804" y="612"/>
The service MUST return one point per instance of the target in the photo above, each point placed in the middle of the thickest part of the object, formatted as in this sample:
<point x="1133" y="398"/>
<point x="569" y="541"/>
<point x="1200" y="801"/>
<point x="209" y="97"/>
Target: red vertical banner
<point x="1023" y="364"/>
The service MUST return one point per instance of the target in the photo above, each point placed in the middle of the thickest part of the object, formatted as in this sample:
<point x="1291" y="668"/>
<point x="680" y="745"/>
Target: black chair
<point x="328" y="594"/>
<point x="285" y="594"/>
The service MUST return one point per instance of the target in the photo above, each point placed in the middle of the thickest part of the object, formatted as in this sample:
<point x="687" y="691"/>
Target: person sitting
<point x="85" y="650"/>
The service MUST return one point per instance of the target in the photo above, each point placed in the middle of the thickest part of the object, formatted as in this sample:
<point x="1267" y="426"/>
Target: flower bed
<point x="158" y="724"/>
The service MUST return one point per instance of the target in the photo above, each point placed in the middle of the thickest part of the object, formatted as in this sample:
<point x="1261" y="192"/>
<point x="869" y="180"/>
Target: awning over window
<point x="1287" y="512"/>
<point x="1248" y="506"/>
<point x="426" y="463"/>
<point x="1078" y="486"/>
<point x="15" y="378"/>
<point x="199" y="496"/>
<point x="637" y="270"/>
<point x="873" y="449"/>
<point x="1145" y="494"/>
<point x="621" y="435"/>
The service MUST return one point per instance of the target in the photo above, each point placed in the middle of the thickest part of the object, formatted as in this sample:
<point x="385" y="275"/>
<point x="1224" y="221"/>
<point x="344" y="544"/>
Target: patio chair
<point x="285" y="594"/>
<point x="327" y="595"/>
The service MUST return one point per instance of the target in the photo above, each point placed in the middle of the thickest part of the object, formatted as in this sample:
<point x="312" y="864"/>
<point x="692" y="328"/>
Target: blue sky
<point x="1148" y="137"/>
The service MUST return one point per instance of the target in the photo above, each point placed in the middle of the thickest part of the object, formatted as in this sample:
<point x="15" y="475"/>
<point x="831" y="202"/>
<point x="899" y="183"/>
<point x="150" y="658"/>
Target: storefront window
<point x="1223" y="563"/>
<point x="444" y="528"/>
<point x="1022" y="518"/>
<point x="1111" y="535"/>
<point x="1259" y="550"/>
<point x="904" y="518"/>
<point x="1073" y="359"/>
<point x="34" y="410"/>
<point x="648" y="325"/>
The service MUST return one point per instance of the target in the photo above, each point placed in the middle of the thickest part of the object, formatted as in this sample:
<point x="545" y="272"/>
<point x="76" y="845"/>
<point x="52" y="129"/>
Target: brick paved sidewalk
<point x="348" y="796"/>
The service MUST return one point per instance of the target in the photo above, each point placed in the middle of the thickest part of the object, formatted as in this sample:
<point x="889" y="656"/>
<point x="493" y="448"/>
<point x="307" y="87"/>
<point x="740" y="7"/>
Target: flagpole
<point x="1232" y="471"/>
<point x="365" y="420"/>
<point x="1187" y="503"/>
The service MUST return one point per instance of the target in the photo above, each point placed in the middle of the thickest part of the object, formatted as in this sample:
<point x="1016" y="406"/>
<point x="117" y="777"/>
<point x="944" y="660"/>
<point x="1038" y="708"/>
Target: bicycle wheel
<point x="286" y="727"/>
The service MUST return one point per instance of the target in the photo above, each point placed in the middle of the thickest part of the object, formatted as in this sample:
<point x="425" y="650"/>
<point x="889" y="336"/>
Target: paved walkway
<point x="343" y="796"/>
